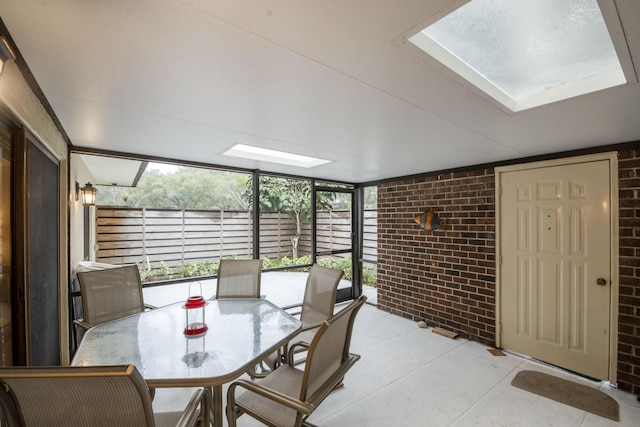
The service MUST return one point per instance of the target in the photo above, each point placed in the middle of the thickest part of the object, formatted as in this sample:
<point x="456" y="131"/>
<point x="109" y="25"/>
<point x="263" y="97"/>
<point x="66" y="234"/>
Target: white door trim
<point x="612" y="157"/>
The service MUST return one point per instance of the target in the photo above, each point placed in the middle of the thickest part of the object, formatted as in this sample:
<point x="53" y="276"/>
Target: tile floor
<point x="412" y="377"/>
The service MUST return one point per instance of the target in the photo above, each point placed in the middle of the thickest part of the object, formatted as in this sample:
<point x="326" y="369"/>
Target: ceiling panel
<point x="187" y="79"/>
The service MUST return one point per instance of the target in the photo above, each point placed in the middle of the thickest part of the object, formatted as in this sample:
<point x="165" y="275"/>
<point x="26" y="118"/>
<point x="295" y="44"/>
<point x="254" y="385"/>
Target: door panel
<point x="555" y="244"/>
<point x="334" y="236"/>
<point x="6" y="248"/>
<point x="37" y="313"/>
<point x="42" y="270"/>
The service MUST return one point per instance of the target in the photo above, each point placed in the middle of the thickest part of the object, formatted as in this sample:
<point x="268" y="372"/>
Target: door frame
<point x="612" y="157"/>
<point x="355" y="290"/>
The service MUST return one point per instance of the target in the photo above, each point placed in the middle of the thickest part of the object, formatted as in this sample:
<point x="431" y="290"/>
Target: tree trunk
<point x="294" y="243"/>
<point x="296" y="239"/>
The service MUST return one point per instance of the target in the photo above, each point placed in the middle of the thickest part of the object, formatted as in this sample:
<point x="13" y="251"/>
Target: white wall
<point x="79" y="173"/>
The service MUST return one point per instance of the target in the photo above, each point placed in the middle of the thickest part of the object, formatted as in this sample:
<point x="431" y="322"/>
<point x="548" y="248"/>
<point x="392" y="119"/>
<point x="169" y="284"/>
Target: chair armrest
<point x="276" y="396"/>
<point x="293" y="349"/>
<point x="190" y="415"/>
<point x="312" y="325"/>
<point x="289" y="307"/>
<point x="84" y="325"/>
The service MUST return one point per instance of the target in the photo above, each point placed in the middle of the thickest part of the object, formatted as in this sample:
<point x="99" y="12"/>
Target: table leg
<point x="216" y="405"/>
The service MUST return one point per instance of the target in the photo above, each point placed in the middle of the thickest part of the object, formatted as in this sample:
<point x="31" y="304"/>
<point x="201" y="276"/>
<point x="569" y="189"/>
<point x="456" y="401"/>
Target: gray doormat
<point x="577" y="395"/>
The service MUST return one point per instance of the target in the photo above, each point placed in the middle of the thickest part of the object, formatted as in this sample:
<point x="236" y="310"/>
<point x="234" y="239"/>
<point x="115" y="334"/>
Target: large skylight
<point x="526" y="53"/>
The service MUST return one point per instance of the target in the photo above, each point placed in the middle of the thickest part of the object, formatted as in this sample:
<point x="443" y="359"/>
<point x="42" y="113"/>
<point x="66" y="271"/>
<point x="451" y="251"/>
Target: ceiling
<point x="114" y="170"/>
<point x="334" y="79"/>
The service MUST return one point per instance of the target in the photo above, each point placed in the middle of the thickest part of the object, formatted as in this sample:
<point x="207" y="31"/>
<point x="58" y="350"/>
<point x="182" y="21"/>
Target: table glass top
<point x="239" y="332"/>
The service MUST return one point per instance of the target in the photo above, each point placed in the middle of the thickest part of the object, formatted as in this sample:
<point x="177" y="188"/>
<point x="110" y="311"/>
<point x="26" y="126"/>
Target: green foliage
<point x="287" y="195"/>
<point x="286" y="262"/>
<point x="188" y="188"/>
<point x="369" y="276"/>
<point x="198" y="270"/>
<point x="343" y="264"/>
<point x="371" y="197"/>
<point x="163" y="271"/>
<point x="291" y="196"/>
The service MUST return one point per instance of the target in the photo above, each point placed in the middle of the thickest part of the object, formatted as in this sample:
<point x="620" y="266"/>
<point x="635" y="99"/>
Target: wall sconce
<point x="88" y="194"/>
<point x="6" y="54"/>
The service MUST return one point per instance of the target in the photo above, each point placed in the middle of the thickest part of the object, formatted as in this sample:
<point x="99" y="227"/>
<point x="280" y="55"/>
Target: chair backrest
<point x="328" y="352"/>
<point x="98" y="396"/>
<point x="319" y="295"/>
<point x="239" y="278"/>
<point x="110" y="294"/>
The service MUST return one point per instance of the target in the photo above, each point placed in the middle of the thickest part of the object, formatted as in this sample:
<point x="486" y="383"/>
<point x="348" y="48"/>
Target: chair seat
<point x="286" y="380"/>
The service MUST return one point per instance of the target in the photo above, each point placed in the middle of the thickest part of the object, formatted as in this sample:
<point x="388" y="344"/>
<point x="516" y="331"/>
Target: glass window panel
<point x="177" y="222"/>
<point x="333" y="231"/>
<point x="334" y="185"/>
<point x="339" y="262"/>
<point x="285" y="231"/>
<point x="370" y="227"/>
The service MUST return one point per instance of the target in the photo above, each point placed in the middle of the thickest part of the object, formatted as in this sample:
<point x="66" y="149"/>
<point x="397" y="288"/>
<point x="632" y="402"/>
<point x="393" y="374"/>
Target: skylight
<point x="526" y="53"/>
<point x="273" y="156"/>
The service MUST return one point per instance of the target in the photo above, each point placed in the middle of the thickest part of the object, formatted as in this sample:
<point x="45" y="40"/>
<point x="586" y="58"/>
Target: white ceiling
<point x="114" y="171"/>
<point x="334" y="79"/>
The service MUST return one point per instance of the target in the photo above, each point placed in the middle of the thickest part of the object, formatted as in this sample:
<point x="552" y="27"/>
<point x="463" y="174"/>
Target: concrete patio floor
<point x="411" y="377"/>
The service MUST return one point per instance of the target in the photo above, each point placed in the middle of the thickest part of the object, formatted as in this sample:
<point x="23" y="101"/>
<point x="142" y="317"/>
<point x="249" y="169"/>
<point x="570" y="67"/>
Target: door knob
<point x="601" y="281"/>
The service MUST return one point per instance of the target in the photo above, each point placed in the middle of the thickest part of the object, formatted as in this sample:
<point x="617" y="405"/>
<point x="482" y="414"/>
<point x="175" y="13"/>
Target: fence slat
<point x="175" y="237"/>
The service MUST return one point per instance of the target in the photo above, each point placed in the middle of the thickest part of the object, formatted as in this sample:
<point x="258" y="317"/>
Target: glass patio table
<point x="240" y="333"/>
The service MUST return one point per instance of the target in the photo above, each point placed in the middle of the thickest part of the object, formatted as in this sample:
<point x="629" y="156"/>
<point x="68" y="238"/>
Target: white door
<point x="555" y="264"/>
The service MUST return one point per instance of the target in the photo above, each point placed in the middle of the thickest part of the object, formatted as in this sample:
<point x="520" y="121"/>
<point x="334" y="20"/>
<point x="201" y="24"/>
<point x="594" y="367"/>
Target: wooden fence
<point x="179" y="237"/>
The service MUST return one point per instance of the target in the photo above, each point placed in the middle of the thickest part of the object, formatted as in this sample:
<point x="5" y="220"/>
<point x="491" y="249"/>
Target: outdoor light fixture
<point x="88" y="193"/>
<point x="6" y="54"/>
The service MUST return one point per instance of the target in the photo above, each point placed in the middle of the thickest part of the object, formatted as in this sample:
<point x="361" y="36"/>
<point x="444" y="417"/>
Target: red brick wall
<point x="447" y="276"/>
<point x="629" y="309"/>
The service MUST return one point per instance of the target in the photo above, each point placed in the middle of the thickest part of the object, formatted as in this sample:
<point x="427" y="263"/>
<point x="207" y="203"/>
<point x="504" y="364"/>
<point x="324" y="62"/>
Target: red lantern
<point x="194" y="314"/>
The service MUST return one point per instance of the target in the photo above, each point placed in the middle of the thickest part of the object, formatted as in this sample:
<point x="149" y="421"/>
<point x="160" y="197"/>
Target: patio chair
<point x="109" y="294"/>
<point x="239" y="278"/>
<point x="317" y="306"/>
<point x="287" y="396"/>
<point x="319" y="297"/>
<point x="97" y="396"/>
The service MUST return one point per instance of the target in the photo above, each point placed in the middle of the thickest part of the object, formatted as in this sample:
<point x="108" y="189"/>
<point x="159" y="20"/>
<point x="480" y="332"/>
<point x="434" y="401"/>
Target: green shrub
<point x="164" y="271"/>
<point x="369" y="276"/>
